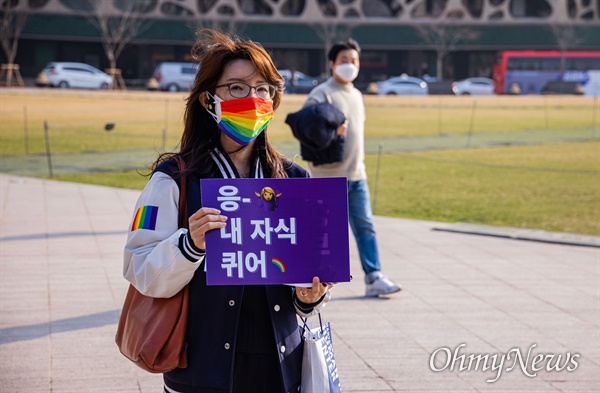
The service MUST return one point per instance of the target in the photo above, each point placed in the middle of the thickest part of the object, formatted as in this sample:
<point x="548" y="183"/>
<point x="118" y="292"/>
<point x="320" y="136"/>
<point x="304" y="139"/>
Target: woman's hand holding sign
<point x="313" y="294"/>
<point x="206" y="219"/>
<point x="203" y="221"/>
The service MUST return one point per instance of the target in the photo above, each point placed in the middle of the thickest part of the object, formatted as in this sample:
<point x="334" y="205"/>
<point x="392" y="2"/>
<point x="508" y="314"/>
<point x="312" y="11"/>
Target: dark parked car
<point x="560" y="87"/>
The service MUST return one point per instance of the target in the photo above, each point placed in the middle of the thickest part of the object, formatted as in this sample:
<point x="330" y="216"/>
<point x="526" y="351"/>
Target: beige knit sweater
<point x="349" y="101"/>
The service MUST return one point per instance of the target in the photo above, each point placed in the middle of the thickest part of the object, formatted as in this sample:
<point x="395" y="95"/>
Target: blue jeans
<point x="361" y="222"/>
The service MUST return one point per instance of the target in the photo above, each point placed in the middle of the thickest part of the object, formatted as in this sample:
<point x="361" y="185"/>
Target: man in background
<point x="344" y="61"/>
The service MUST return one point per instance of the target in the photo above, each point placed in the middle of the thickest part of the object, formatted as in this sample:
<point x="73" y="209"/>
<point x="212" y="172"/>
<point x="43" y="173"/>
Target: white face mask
<point x="347" y="71"/>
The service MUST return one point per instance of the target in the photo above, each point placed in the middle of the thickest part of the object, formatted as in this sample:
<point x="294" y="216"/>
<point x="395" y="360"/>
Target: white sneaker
<point x="381" y="286"/>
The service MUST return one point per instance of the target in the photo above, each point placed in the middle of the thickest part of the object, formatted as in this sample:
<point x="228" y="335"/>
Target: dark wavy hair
<point x="213" y="50"/>
<point x="340" y="46"/>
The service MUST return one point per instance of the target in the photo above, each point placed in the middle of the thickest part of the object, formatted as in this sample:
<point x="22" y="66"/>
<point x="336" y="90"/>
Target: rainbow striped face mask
<point x="241" y="119"/>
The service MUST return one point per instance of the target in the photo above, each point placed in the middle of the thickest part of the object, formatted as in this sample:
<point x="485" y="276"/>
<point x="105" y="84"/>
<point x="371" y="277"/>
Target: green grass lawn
<point x="76" y="120"/>
<point x="553" y="187"/>
<point x="126" y="179"/>
<point x="402" y="116"/>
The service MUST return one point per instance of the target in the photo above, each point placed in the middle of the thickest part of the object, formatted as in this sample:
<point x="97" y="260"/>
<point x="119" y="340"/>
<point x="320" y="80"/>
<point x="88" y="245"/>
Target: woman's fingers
<point x="314" y="293"/>
<point x="316" y="283"/>
<point x="206" y="213"/>
<point x="202" y="221"/>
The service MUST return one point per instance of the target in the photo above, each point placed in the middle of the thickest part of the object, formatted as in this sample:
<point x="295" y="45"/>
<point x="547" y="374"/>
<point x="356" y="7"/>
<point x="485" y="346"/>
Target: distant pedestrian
<point x="239" y="338"/>
<point x="344" y="61"/>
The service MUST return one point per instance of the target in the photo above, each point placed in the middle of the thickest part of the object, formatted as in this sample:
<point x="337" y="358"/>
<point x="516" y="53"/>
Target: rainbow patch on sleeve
<point x="145" y="218"/>
<point x="279" y="264"/>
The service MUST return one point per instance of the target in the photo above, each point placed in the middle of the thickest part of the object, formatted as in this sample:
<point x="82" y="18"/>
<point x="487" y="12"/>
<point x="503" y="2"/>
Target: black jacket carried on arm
<point x="316" y="129"/>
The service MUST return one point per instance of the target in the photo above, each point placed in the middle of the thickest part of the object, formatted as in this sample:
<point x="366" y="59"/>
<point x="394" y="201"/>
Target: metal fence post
<point x="48" y="153"/>
<point x="594" y="115"/>
<point x="25" y="130"/>
<point x="472" y="122"/>
<point x="377" y="176"/>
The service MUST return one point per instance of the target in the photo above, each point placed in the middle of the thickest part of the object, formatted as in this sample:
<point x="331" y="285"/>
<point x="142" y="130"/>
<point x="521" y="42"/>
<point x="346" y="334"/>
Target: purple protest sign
<point x="279" y="231"/>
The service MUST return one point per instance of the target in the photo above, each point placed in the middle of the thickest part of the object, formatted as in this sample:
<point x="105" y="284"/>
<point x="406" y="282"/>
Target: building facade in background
<point x="397" y="36"/>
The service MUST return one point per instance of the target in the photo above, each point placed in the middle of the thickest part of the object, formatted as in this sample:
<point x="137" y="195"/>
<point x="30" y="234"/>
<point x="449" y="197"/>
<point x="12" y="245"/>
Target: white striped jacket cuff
<point x="189" y="249"/>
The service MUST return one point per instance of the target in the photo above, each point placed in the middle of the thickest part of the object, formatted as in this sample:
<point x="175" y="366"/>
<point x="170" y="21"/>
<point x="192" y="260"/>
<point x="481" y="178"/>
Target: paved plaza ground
<point x="516" y="301"/>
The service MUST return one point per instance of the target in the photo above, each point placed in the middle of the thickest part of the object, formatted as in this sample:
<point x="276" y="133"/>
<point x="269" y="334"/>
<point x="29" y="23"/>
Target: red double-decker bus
<point x="528" y="72"/>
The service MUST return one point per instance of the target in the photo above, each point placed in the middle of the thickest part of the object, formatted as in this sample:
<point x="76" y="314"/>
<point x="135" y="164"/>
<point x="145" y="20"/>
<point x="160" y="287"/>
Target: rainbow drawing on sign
<point x="279" y="264"/>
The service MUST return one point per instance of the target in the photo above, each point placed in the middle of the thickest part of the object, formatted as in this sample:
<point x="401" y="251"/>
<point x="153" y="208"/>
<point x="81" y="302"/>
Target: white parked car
<point x="75" y="75"/>
<point x="473" y="86"/>
<point x="171" y="76"/>
<point x="403" y="85"/>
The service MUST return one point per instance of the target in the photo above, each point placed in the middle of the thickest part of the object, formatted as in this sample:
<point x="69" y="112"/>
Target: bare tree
<point x="330" y="32"/>
<point x="443" y="37"/>
<point x="566" y="36"/>
<point x="11" y="25"/>
<point x="117" y="28"/>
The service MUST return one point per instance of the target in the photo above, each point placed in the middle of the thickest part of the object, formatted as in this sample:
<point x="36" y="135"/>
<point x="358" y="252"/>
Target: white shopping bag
<point x="319" y="370"/>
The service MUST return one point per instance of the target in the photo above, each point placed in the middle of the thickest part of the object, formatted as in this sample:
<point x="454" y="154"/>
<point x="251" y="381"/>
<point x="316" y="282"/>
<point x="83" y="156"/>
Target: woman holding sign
<point x="240" y="338"/>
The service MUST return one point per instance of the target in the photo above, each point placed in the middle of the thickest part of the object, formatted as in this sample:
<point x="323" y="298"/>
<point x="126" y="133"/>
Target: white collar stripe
<point x="227" y="171"/>
<point x="220" y="165"/>
<point x="226" y="162"/>
<point x="259" y="170"/>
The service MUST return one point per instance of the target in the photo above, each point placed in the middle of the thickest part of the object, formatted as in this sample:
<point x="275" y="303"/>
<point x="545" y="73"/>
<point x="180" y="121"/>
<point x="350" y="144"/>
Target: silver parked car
<point x="172" y="76"/>
<point x="75" y="75"/>
<point x="403" y="85"/>
<point x="301" y="84"/>
<point x="473" y="86"/>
